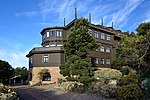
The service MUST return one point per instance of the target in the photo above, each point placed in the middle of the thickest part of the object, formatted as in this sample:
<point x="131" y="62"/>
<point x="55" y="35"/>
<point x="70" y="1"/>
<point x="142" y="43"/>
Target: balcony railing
<point x="46" y="48"/>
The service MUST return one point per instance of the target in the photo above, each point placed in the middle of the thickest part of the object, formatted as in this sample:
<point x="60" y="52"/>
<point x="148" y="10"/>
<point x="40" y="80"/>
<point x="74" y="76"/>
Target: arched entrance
<point x="46" y="76"/>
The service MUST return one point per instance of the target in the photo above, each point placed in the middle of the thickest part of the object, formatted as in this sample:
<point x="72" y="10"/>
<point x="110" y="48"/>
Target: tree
<point x="135" y="51"/>
<point x="6" y="71"/>
<point x="22" y="72"/>
<point x="79" y="43"/>
<point x="143" y="28"/>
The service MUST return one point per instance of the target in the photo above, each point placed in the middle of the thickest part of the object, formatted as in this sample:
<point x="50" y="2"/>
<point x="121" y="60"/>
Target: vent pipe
<point x="64" y="22"/>
<point x="89" y="17"/>
<point x="112" y="24"/>
<point x="75" y="13"/>
<point x="102" y="21"/>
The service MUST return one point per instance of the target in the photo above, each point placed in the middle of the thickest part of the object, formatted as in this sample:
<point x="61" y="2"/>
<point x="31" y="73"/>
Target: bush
<point x="130" y="78"/>
<point x="6" y="93"/>
<point x="129" y="92"/>
<point x="95" y="87"/>
<point x="86" y="80"/>
<point x="108" y="74"/>
<point x="108" y="90"/>
<point x="70" y="86"/>
<point x="145" y="85"/>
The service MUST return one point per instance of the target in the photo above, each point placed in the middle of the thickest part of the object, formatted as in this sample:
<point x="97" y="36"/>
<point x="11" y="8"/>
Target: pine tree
<point x="78" y="66"/>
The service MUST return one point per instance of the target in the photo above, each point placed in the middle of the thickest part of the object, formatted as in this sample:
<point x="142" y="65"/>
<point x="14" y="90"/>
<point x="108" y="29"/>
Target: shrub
<point x="108" y="74"/>
<point x="108" y="90"/>
<point x="6" y="93"/>
<point x="60" y="81"/>
<point x="86" y="80"/>
<point x="129" y="92"/>
<point x="130" y="78"/>
<point x="70" y="86"/>
<point x="95" y="87"/>
<point x="145" y="85"/>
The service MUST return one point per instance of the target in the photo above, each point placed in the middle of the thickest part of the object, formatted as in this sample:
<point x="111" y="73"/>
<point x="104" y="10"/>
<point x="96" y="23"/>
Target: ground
<point x="52" y="92"/>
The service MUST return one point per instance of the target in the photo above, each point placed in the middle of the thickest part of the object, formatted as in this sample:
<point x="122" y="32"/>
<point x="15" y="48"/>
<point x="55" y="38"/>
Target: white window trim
<point x="45" y="59"/>
<point x="59" y="45"/>
<point x="52" y="45"/>
<point x="103" y="36"/>
<point x="47" y="34"/>
<point x="102" y="48"/>
<point x="102" y="61"/>
<point x="108" y="61"/>
<point x="108" y="37"/>
<point x="108" y="49"/>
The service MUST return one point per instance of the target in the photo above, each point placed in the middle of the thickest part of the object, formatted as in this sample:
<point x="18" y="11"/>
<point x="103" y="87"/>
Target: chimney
<point x="102" y="21"/>
<point x="112" y="25"/>
<point x="64" y="22"/>
<point x="75" y="13"/>
<point x="89" y="17"/>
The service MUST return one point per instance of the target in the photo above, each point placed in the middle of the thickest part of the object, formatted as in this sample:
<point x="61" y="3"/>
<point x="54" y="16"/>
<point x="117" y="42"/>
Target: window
<point x="58" y="33"/>
<point x="47" y="45"/>
<point x="46" y="77"/>
<point x="118" y="34"/>
<point x="45" y="59"/>
<point x="31" y="60"/>
<point x="47" y="33"/>
<point x="108" y="49"/>
<point x="96" y="34"/>
<point x="108" y="61"/>
<point x="102" y="60"/>
<point x="102" y="48"/>
<point x="44" y="36"/>
<point x="52" y="45"/>
<point x="108" y="37"/>
<point x="94" y="61"/>
<point x="103" y="36"/>
<point x="52" y="33"/>
<point x="59" y="45"/>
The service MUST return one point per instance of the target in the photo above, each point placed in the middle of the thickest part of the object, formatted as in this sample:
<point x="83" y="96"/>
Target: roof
<point x="55" y="27"/>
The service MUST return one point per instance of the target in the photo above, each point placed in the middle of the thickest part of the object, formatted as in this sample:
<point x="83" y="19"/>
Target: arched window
<point x="46" y="76"/>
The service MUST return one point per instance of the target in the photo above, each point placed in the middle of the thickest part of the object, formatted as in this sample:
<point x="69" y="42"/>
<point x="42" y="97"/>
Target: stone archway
<point x="46" y="76"/>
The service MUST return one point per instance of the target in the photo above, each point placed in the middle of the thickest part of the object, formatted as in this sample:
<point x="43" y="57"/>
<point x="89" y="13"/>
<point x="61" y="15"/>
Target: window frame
<point x="103" y="36"/>
<point x="45" y="58"/>
<point x="108" y="61"/>
<point x="102" y="61"/>
<point x="108" y="49"/>
<point x="102" y="48"/>
<point x="108" y="37"/>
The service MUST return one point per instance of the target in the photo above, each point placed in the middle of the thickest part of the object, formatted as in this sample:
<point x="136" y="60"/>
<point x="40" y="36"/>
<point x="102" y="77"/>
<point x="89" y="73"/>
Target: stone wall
<point x="54" y="71"/>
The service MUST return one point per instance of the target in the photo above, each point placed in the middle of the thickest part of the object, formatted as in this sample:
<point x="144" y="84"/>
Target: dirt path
<point x="51" y="92"/>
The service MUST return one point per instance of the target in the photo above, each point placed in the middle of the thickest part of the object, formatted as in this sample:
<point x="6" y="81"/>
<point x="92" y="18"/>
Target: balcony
<point x="46" y="48"/>
<point x="41" y="50"/>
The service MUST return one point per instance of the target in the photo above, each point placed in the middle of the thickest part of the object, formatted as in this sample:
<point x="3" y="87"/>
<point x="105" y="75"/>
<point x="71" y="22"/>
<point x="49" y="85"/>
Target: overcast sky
<point x="22" y="20"/>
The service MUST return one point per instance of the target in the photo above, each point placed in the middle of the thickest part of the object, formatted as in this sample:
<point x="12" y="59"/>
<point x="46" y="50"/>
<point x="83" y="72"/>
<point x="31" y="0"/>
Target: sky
<point x="21" y="21"/>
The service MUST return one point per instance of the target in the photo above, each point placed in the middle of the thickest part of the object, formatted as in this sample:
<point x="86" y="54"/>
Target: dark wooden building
<point x="51" y="55"/>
